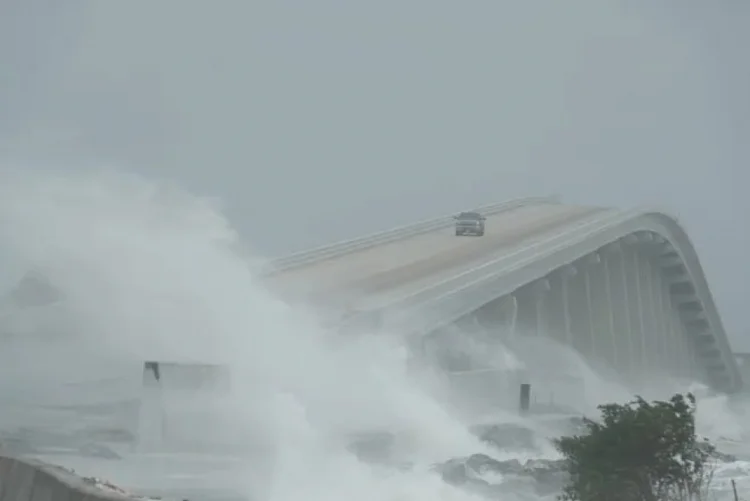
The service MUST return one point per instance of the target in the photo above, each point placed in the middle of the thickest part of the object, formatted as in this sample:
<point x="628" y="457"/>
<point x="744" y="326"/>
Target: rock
<point x="550" y="475"/>
<point x="481" y="463"/>
<point x="542" y="476"/>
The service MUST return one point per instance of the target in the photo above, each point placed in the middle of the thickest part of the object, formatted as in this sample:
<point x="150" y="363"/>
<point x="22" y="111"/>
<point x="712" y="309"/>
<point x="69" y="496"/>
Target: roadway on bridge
<point x="341" y="282"/>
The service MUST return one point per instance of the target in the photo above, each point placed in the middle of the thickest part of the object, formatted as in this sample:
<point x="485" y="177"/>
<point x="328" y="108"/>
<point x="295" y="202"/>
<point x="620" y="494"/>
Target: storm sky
<point x="317" y="121"/>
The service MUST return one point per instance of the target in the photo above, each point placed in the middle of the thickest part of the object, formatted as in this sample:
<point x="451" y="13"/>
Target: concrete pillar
<point x="567" y="274"/>
<point x="540" y="290"/>
<point x="635" y="291"/>
<point x="675" y="339"/>
<point x="588" y="290"/>
<point x="599" y="296"/>
<point x="687" y="356"/>
<point x="621" y="331"/>
<point x="649" y="317"/>
<point x="497" y="319"/>
<point x="509" y="305"/>
<point x="698" y="371"/>
<point x="526" y="311"/>
<point x="556" y="305"/>
<point x="579" y="308"/>
<point x="661" y="334"/>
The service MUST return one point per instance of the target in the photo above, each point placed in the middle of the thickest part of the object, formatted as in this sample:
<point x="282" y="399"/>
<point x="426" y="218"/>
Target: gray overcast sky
<point x="321" y="120"/>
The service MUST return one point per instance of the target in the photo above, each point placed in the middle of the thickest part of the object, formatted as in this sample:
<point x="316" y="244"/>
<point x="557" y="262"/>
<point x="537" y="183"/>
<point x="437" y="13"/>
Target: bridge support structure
<point x="628" y="308"/>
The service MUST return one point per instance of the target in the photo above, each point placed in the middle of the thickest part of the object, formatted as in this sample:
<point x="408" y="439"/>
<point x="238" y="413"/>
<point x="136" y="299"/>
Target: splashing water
<point x="152" y="272"/>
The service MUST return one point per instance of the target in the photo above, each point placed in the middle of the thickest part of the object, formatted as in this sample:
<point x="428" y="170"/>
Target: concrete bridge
<point x="624" y="288"/>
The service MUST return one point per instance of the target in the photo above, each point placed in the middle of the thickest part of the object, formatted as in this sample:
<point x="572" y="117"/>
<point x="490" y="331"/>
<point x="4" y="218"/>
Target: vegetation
<point x="639" y="451"/>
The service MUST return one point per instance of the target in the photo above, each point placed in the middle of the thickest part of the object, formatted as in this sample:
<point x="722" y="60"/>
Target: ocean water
<point x="151" y="272"/>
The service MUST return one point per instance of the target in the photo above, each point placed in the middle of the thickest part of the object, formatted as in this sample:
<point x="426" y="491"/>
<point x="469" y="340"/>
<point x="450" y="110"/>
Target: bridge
<point x="623" y="288"/>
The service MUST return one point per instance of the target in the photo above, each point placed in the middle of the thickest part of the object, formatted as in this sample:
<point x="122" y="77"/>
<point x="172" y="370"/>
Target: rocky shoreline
<point x="490" y="477"/>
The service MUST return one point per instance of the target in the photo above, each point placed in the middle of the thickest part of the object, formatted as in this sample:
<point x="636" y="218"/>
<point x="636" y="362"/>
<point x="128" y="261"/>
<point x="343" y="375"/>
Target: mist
<point x="317" y="122"/>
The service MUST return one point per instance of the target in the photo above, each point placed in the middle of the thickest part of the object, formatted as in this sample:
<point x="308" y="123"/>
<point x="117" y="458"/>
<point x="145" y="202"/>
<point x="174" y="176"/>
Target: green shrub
<point x="638" y="451"/>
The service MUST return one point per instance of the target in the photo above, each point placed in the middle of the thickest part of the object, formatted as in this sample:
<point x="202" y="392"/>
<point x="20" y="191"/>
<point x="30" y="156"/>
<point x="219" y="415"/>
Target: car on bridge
<point x="469" y="223"/>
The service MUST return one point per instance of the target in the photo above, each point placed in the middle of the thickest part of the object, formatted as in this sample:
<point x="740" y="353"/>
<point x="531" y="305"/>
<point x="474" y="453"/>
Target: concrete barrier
<point x="32" y="480"/>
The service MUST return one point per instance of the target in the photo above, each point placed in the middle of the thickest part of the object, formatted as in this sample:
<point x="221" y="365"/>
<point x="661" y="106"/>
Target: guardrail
<point x="338" y="249"/>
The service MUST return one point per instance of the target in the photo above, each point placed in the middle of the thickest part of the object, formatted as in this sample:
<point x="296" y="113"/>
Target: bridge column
<point x="509" y="313"/>
<point x="499" y="318"/>
<point x="682" y="360"/>
<point x="694" y="327"/>
<point x="702" y="342"/>
<point x="557" y="305"/>
<point x="567" y="274"/>
<point x="580" y="308"/>
<point x="513" y="318"/>
<point x="671" y="336"/>
<point x="678" y="290"/>
<point x="666" y="357"/>
<point x="542" y="299"/>
<point x="650" y="312"/>
<point x="629" y="335"/>
<point x="526" y="311"/>
<point x="601" y="305"/>
<point x="695" y="371"/>
<point x="635" y="291"/>
<point x="617" y="272"/>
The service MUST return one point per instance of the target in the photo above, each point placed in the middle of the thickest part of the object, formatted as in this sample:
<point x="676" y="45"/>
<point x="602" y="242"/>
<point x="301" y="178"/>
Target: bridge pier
<point x="566" y="276"/>
<point x="542" y="301"/>
<point x="580" y="309"/>
<point x="666" y="358"/>
<point x="507" y="311"/>
<point x="631" y="264"/>
<point x="555" y="302"/>
<point x="689" y="327"/>
<point x="628" y="307"/>
<point x="526" y="316"/>
<point x="616" y="307"/>
<point x="618" y="282"/>
<point x="652" y="345"/>
<point x="497" y="319"/>
<point x="683" y="359"/>
<point x="604" y="305"/>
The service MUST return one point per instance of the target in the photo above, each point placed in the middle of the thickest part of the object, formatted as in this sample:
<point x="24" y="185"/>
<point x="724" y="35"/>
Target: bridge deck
<point x="411" y="262"/>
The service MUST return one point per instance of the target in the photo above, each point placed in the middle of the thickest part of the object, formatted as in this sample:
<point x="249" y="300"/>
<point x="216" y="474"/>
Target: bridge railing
<point x="345" y="247"/>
